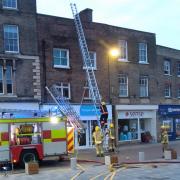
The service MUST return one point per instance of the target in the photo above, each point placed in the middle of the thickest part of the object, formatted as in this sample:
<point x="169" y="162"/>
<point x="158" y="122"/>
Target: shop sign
<point x="169" y="109"/>
<point x="134" y="114"/>
<point x="88" y="110"/>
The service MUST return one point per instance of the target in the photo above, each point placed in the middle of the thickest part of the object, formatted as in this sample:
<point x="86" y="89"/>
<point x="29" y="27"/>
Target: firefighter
<point x="104" y="115"/>
<point x="111" y="141"/>
<point x="164" y="138"/>
<point x="98" y="140"/>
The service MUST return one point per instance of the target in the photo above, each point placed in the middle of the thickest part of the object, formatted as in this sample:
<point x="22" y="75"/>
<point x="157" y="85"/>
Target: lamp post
<point x="112" y="54"/>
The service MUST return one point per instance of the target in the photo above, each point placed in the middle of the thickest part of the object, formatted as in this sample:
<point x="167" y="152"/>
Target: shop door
<point x="82" y="137"/>
<point x="171" y="132"/>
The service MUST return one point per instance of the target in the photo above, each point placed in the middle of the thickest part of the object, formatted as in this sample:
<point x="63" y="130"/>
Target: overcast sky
<point x="161" y="17"/>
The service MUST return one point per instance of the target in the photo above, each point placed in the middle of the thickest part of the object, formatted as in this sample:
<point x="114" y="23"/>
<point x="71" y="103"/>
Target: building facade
<point x="19" y="61"/>
<point x="169" y="88"/>
<point x="138" y="85"/>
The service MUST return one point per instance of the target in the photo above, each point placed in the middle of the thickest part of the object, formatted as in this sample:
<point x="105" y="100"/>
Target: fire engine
<point x="32" y="139"/>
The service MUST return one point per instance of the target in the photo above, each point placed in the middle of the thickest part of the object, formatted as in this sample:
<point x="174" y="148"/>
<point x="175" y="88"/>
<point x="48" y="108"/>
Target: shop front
<point x="89" y="117"/>
<point x="136" y="123"/>
<point x="169" y="115"/>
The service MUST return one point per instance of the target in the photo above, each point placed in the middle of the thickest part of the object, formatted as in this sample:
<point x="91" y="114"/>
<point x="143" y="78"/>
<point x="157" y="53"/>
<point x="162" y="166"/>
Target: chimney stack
<point x="86" y="15"/>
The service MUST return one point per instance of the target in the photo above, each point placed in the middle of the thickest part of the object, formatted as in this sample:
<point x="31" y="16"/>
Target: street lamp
<point x="112" y="54"/>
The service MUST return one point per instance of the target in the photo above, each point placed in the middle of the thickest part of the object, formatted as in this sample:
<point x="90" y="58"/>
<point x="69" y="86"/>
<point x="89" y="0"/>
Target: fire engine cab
<point x="32" y="139"/>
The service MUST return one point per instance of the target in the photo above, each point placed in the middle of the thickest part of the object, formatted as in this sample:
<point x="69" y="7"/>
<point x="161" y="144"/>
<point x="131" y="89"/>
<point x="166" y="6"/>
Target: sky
<point x="161" y="17"/>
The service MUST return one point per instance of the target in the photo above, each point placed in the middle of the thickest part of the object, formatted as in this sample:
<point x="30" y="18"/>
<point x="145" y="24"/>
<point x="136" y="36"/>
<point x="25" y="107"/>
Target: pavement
<point x="92" y="168"/>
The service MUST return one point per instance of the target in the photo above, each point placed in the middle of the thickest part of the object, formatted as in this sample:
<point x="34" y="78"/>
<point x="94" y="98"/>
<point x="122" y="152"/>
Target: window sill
<point x="11" y="52"/>
<point x="124" y="97"/>
<point x="143" y="62"/>
<point x="10" y="8"/>
<point x="123" y="60"/>
<point x="167" y="97"/>
<point x="94" y="68"/>
<point x="61" y="67"/>
<point x="167" y="75"/>
<point x="8" y="95"/>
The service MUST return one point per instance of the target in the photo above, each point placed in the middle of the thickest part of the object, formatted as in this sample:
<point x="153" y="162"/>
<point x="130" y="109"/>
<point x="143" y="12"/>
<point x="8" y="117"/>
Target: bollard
<point x="73" y="163"/>
<point x="141" y="156"/>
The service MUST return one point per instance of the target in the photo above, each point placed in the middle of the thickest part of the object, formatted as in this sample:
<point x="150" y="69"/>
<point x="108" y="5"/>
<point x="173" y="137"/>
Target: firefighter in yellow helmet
<point x="164" y="138"/>
<point x="98" y="139"/>
<point x="111" y="141"/>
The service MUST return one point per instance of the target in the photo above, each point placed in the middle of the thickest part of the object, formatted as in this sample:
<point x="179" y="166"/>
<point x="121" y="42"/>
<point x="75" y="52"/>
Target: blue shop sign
<point x="169" y="109"/>
<point x="88" y="110"/>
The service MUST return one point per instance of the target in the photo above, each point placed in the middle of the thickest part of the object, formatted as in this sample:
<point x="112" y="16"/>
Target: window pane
<point x="10" y="3"/>
<point x="123" y="86"/>
<point x="142" y="52"/>
<point x="143" y="85"/>
<point x="60" y="57"/>
<point x="9" y="79"/>
<point x="11" y="40"/>
<point x="123" y="49"/>
<point x="1" y="79"/>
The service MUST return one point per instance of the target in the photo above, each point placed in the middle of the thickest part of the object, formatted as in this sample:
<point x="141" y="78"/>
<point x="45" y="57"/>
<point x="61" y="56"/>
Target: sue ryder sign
<point x="134" y="114"/>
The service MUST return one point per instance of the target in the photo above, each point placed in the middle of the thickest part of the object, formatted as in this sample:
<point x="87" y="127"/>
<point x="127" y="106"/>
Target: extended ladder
<point x="64" y="107"/>
<point x="94" y="91"/>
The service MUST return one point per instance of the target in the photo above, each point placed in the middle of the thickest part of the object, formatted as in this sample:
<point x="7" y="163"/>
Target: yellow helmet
<point x="103" y="103"/>
<point x="111" y="125"/>
<point x="97" y="128"/>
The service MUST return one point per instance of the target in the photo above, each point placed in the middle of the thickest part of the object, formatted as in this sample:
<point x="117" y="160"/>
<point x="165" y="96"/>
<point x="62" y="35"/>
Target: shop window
<point x="177" y="128"/>
<point x="64" y="90"/>
<point x="123" y="85"/>
<point x="142" y="53"/>
<point x="169" y="124"/>
<point x="61" y="58"/>
<point x="128" y="129"/>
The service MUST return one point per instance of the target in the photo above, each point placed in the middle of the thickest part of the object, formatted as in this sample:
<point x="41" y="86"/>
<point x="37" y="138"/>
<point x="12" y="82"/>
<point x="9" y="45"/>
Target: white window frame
<point x="143" y="86"/>
<point x="8" y="7"/>
<point x="1" y="69"/>
<point x="143" y="53"/>
<point x="62" y="86"/>
<point x="123" y="51"/>
<point x="123" y="85"/>
<point x="167" y="67"/>
<point x="86" y="89"/>
<point x="178" y="69"/>
<point x="11" y="69"/>
<point x="167" y="91"/>
<point x="94" y="59"/>
<point x="11" y="51"/>
<point x="67" y="54"/>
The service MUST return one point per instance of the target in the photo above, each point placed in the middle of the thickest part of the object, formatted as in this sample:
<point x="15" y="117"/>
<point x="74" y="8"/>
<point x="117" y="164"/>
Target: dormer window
<point x="10" y="4"/>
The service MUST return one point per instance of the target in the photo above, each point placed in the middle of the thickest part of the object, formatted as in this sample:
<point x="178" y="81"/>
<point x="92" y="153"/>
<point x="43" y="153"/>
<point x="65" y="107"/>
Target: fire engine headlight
<point x="54" y="120"/>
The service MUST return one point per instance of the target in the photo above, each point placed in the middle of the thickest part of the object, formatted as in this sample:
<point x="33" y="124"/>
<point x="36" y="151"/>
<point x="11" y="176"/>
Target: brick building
<point x="39" y="50"/>
<point x="119" y="79"/>
<point x="168" y="74"/>
<point x="19" y="61"/>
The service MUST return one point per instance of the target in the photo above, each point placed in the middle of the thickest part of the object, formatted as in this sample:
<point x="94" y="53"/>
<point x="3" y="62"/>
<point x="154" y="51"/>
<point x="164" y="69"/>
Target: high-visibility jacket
<point x="164" y="138"/>
<point x="98" y="137"/>
<point x="111" y="133"/>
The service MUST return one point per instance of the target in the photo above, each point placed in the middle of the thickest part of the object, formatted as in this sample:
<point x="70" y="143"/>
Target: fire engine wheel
<point x="28" y="156"/>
